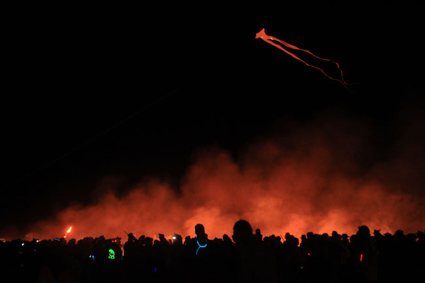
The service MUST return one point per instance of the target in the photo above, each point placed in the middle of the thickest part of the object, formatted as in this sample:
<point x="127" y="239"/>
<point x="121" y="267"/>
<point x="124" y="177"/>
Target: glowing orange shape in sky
<point x="271" y="40"/>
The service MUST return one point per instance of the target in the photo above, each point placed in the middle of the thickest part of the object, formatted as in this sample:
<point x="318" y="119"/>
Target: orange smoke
<point x="308" y="179"/>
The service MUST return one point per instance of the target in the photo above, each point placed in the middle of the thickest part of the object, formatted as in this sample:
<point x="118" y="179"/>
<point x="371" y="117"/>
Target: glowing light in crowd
<point x="111" y="254"/>
<point x="200" y="246"/>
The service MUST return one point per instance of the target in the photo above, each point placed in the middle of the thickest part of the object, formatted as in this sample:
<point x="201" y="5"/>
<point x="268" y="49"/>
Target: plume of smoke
<point x="315" y="176"/>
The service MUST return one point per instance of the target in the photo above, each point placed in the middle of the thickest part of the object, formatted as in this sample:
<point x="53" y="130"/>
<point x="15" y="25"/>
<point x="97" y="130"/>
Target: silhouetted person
<point x="365" y="255"/>
<point x="258" y="236"/>
<point x="201" y="238"/>
<point x="177" y="240"/>
<point x="226" y="240"/>
<point x="177" y="266"/>
<point x="162" y="241"/>
<point x="201" y="260"/>
<point x="242" y="233"/>
<point x="253" y="263"/>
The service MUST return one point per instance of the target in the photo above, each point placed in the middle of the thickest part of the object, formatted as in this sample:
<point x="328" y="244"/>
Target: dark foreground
<point x="247" y="257"/>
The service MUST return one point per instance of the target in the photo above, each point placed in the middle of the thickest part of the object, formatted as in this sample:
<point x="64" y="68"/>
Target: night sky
<point x="100" y="94"/>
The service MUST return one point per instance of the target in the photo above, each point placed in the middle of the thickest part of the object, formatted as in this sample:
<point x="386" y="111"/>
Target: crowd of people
<point x="246" y="256"/>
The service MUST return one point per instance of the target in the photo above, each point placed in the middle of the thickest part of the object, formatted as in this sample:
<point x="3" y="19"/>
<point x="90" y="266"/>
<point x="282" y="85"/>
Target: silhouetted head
<point x="148" y="241"/>
<point x="226" y="238"/>
<point x="242" y="232"/>
<point x="363" y="231"/>
<point x="177" y="240"/>
<point x="199" y="230"/>
<point x="288" y="236"/>
<point x="335" y="235"/>
<point x="258" y="235"/>
<point x="399" y="234"/>
<point x="131" y="237"/>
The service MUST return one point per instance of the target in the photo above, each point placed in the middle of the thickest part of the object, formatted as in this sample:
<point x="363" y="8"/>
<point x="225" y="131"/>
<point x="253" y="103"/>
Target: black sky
<point x="133" y="91"/>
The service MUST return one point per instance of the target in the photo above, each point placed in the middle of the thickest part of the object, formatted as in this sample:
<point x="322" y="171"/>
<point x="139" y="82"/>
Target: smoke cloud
<point x="327" y="174"/>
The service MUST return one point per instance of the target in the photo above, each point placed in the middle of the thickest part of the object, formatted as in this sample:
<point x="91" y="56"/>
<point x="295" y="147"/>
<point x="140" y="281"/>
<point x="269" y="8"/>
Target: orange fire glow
<point x="304" y="181"/>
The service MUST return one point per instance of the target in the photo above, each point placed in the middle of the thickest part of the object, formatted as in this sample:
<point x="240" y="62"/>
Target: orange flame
<point x="68" y="231"/>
